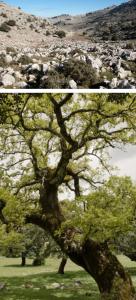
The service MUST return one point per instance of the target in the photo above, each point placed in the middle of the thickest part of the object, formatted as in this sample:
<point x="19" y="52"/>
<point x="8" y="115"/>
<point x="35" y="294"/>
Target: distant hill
<point x="112" y="23"/>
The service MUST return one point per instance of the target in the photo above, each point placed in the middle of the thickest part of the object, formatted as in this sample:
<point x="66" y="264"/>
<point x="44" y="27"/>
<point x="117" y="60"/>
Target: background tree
<point x="48" y="144"/>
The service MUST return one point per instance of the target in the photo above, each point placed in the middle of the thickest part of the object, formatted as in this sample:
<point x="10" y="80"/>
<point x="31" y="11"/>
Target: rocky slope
<point x="21" y="29"/>
<point x="112" y="23"/>
<point x="32" y="55"/>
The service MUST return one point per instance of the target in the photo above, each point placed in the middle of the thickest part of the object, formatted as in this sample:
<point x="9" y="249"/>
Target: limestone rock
<point x="8" y="80"/>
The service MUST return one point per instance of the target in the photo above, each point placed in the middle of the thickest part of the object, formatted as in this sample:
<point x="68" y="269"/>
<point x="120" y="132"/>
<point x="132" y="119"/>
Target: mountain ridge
<point x="117" y="22"/>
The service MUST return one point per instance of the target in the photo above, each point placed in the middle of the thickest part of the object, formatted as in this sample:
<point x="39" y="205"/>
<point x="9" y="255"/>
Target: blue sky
<point x="47" y="8"/>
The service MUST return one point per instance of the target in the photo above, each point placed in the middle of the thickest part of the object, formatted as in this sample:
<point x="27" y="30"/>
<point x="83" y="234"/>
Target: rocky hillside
<point x="113" y="23"/>
<point x="35" y="53"/>
<point x="18" y="28"/>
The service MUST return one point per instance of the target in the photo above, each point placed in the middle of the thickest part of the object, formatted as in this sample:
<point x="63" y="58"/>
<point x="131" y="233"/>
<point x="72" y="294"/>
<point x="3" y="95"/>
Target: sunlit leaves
<point x="105" y="213"/>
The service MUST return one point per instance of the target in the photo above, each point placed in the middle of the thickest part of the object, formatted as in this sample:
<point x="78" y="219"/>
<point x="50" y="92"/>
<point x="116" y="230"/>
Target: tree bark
<point x="38" y="261"/>
<point x="23" y="257"/>
<point x="62" y="265"/>
<point x="96" y="258"/>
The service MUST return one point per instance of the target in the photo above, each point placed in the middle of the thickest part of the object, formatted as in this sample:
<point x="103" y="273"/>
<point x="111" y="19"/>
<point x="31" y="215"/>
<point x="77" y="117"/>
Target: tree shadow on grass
<point x="17" y="266"/>
<point x="43" y="294"/>
<point x="39" y="287"/>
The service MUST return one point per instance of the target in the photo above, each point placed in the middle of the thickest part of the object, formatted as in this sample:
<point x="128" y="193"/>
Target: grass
<point x="27" y="283"/>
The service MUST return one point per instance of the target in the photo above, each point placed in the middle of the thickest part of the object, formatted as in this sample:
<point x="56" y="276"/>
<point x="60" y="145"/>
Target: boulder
<point x="2" y="285"/>
<point x="95" y="62"/>
<point x="8" y="80"/>
<point x="21" y="85"/>
<point x="114" y="83"/>
<point x="55" y="285"/>
<point x="45" y="68"/>
<point x="35" y="67"/>
<point x="72" y="84"/>
<point x="8" y="59"/>
<point x="122" y="74"/>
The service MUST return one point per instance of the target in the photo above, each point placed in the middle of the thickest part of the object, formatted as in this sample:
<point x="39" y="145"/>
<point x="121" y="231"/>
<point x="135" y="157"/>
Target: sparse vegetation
<point x="10" y="49"/>
<point x="11" y="23"/>
<point x="47" y="32"/>
<point x="4" y="27"/>
<point x="54" y="80"/>
<point x="81" y="72"/>
<point x="4" y="15"/>
<point x="25" y="60"/>
<point x="60" y="33"/>
<point x="43" y="25"/>
<point x="29" y="19"/>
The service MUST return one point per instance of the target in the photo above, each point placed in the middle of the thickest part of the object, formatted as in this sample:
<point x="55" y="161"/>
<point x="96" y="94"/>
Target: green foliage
<point x="54" y="80"/>
<point x="39" y="146"/>
<point x="4" y="27"/>
<point x="82" y="73"/>
<point x="60" y="33"/>
<point x="106" y="212"/>
<point x="11" y="244"/>
<point x="4" y="15"/>
<point x="11" y="23"/>
<point x="47" y="32"/>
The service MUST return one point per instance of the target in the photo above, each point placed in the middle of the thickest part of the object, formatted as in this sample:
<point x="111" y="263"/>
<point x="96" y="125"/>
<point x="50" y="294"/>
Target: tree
<point x="48" y="140"/>
<point x="17" y="238"/>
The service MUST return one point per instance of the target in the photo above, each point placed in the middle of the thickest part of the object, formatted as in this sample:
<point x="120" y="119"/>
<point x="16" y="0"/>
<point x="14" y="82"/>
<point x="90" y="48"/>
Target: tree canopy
<point x="55" y="139"/>
<point x="51" y="143"/>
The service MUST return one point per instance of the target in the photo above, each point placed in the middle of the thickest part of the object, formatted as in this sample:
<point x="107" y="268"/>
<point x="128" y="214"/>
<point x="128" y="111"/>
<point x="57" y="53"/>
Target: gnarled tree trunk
<point x="113" y="282"/>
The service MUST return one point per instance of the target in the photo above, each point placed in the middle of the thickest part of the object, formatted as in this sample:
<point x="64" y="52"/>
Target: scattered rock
<point x="122" y="74"/>
<point x="29" y="57"/>
<point x="2" y="285"/>
<point x="8" y="80"/>
<point x="72" y="84"/>
<point x="8" y="59"/>
<point x="55" y="285"/>
<point x="78" y="283"/>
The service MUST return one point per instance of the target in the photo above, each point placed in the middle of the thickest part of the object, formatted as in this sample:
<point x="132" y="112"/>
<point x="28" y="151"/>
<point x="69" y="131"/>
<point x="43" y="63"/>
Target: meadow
<point x="37" y="283"/>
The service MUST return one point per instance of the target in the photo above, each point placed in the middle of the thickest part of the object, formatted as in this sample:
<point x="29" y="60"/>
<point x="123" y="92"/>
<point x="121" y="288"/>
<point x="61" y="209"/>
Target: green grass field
<point x="27" y="283"/>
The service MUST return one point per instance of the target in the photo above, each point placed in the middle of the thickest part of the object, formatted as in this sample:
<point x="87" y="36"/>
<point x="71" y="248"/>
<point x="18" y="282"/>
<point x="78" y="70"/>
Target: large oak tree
<point x="47" y="143"/>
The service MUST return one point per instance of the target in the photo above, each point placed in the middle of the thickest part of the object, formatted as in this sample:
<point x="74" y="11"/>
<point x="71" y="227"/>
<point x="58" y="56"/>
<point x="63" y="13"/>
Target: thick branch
<point x="61" y="123"/>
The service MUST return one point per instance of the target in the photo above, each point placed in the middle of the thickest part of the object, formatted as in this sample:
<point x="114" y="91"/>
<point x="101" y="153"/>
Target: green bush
<point x="47" y="32"/>
<point x="54" y="80"/>
<point x="32" y="26"/>
<point x="60" y="33"/>
<point x="80" y="71"/>
<point x="11" y="23"/>
<point x="3" y="15"/>
<point x="10" y="49"/>
<point x="2" y="61"/>
<point x="4" y="27"/>
<point x="114" y="37"/>
<point x="43" y="25"/>
<point x="29" y="19"/>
